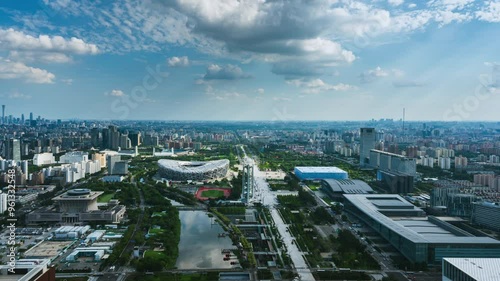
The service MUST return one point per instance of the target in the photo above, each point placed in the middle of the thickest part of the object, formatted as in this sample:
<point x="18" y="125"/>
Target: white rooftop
<point x="417" y="229"/>
<point x="330" y="169"/>
<point x="481" y="269"/>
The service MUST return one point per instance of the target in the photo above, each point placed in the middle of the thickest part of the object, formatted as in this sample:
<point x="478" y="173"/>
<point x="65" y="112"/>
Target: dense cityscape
<point x="375" y="200"/>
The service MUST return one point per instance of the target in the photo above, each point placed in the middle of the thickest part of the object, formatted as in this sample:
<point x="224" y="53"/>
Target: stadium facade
<point x="192" y="170"/>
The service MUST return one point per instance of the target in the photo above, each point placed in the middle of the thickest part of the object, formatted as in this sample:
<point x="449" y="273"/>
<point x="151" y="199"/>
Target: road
<point x="269" y="199"/>
<point x="119" y="273"/>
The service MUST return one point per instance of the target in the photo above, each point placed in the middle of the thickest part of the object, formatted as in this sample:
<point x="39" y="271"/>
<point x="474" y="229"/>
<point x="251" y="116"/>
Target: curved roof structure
<point x="193" y="170"/>
<point x="347" y="186"/>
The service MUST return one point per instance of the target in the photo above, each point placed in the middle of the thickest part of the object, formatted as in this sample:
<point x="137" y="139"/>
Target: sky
<point x="251" y="59"/>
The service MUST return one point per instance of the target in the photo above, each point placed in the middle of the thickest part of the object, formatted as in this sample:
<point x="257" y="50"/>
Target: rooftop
<point x="416" y="228"/>
<point x="329" y="169"/>
<point x="483" y="269"/>
<point x="348" y="186"/>
<point x="78" y="194"/>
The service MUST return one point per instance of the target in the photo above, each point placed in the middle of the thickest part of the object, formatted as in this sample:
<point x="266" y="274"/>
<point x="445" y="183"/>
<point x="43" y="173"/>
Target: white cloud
<point x="18" y="95"/>
<point x="222" y="94"/>
<point x="407" y="84"/>
<point x="376" y="73"/>
<point x="373" y="74"/>
<point x="260" y="91"/>
<point x="18" y="70"/>
<point x="45" y="57"/>
<point x="19" y="41"/>
<point x="226" y="72"/>
<point x="450" y="5"/>
<point x="316" y="86"/>
<point x="67" y="81"/>
<point x="115" y="93"/>
<point x="281" y="99"/>
<point x="395" y="2"/>
<point x="178" y="61"/>
<point x="490" y="12"/>
<point x="310" y="36"/>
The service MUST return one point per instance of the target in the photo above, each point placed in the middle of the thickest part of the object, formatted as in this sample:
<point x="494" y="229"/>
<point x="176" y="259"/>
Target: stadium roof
<point x="192" y="166"/>
<point x="329" y="169"/>
<point x="348" y="186"/>
<point x="484" y="269"/>
<point x="417" y="229"/>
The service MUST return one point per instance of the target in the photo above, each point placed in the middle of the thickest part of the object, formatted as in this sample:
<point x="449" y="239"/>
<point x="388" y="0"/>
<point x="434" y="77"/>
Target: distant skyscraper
<point x="22" y="119"/>
<point x="13" y="150"/>
<point x="135" y="138"/>
<point x="95" y="137"/>
<point x="367" y="142"/>
<point x="3" y="113"/>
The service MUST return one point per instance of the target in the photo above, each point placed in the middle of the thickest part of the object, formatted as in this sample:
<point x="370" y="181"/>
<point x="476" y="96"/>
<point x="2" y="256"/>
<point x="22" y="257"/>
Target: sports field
<point x="205" y="193"/>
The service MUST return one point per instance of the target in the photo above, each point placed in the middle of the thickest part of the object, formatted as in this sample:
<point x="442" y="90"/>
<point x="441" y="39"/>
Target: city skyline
<point x="280" y="61"/>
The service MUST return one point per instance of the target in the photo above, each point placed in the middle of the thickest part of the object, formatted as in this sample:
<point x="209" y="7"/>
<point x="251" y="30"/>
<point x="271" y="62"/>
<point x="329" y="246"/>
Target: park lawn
<point x="105" y="198"/>
<point x="156" y="230"/>
<point x="212" y="193"/>
<point x="154" y="254"/>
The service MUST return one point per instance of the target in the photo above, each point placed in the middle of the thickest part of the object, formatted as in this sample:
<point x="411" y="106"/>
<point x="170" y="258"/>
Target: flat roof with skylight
<point x="400" y="216"/>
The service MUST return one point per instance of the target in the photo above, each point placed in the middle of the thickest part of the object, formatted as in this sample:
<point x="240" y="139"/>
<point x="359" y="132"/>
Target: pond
<point x="200" y="245"/>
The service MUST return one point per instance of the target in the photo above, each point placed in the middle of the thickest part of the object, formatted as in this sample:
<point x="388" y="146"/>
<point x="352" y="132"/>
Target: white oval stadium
<point x="192" y="170"/>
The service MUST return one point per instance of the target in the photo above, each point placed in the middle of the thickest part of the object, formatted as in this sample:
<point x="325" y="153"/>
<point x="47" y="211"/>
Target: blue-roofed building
<point x="319" y="173"/>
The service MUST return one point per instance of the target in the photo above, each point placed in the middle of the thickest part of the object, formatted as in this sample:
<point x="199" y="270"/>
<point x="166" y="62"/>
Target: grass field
<point x="212" y="193"/>
<point x="154" y="254"/>
<point x="105" y="198"/>
<point x="155" y="230"/>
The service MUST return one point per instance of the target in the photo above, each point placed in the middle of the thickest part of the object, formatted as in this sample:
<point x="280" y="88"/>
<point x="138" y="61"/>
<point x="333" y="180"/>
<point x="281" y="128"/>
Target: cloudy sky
<point x="251" y="59"/>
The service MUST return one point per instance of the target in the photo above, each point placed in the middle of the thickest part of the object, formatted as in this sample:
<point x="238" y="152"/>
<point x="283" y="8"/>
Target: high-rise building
<point x="113" y="137"/>
<point x="124" y="142"/>
<point x="116" y="166"/>
<point x="3" y="202"/>
<point x="95" y="137"/>
<point x="483" y="179"/>
<point x="444" y="163"/>
<point x="495" y="183"/>
<point x="367" y="143"/>
<point x="13" y="150"/>
<point x="101" y="157"/>
<point x="135" y="138"/>
<point x="460" y="162"/>
<point x="3" y="113"/>
<point x="110" y="162"/>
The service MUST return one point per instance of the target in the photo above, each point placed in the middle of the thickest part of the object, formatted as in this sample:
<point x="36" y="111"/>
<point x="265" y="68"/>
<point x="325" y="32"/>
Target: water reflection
<point x="174" y="203"/>
<point x="200" y="247"/>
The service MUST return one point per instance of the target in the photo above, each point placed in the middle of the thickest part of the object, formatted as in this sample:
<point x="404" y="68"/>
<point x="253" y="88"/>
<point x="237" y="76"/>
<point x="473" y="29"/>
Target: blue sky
<point x="251" y="60"/>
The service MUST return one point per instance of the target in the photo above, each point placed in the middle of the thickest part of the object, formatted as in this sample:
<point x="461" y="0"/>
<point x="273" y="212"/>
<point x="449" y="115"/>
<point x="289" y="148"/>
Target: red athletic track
<point x="226" y="191"/>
